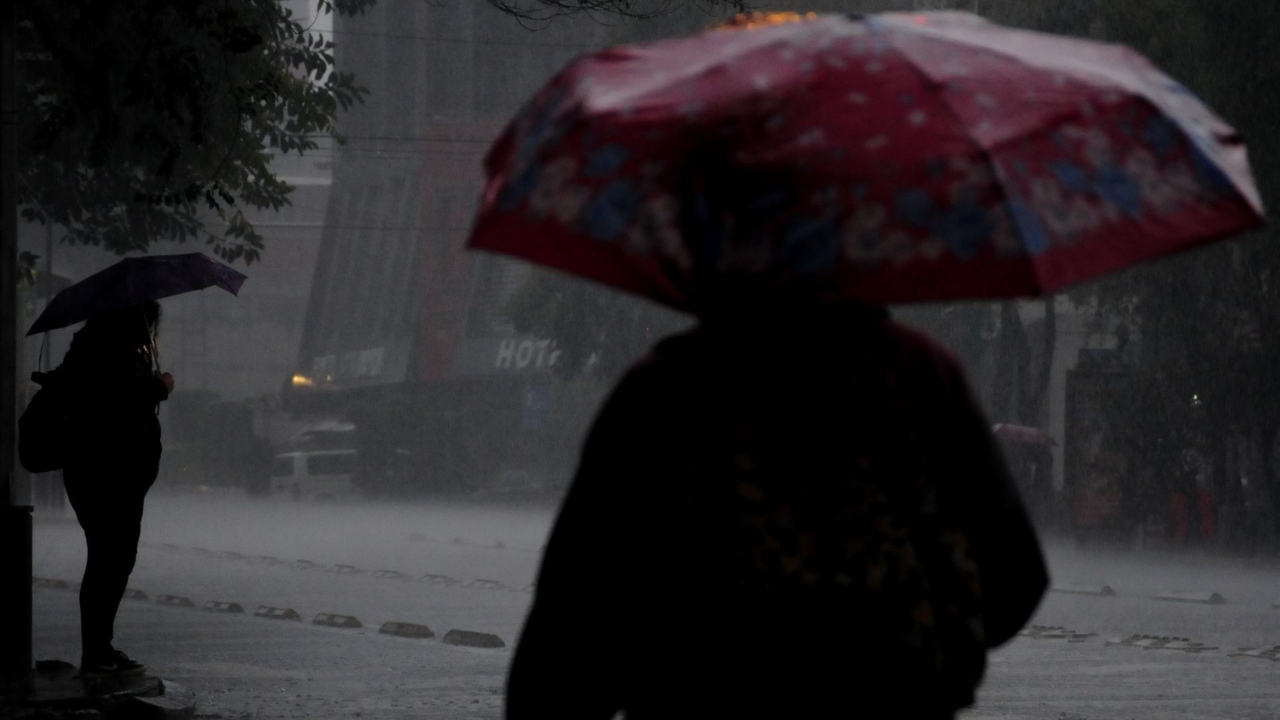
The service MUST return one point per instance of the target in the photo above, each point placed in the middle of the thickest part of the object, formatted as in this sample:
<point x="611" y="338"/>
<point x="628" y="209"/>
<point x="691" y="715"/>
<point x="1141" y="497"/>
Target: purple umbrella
<point x="133" y="281"/>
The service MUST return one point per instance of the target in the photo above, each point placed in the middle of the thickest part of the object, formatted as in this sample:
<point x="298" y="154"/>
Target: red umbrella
<point x="1023" y="434"/>
<point x="900" y="157"/>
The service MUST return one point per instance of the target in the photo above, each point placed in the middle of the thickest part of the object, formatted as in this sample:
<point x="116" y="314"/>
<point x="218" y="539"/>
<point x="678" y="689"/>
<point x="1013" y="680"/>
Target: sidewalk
<point x="58" y="692"/>
<point x="245" y="667"/>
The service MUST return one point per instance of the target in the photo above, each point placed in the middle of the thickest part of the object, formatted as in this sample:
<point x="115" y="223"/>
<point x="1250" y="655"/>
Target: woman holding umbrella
<point x="797" y="509"/>
<point x="113" y="385"/>
<point x="110" y="386"/>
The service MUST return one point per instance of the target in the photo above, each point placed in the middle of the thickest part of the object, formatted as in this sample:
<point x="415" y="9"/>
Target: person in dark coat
<point x="114" y="385"/>
<point x="795" y="510"/>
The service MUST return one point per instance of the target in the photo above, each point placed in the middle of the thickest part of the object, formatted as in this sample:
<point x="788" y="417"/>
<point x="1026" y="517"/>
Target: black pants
<point x="107" y="491"/>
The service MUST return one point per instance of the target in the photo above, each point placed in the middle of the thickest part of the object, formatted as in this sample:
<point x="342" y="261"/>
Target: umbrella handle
<point x="152" y="346"/>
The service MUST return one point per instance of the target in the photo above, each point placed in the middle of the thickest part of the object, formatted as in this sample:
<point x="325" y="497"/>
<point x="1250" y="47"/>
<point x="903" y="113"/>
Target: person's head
<point x="136" y="325"/>
<point x="151" y="314"/>
<point x="749" y="252"/>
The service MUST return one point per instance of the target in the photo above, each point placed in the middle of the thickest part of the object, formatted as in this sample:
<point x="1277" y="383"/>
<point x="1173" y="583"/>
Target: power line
<point x="388" y="228"/>
<point x="404" y="138"/>
<point x="411" y="139"/>
<point x="424" y="138"/>
<point x="581" y="47"/>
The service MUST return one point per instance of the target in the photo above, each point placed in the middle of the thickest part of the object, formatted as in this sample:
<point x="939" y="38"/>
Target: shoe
<point x="116" y="664"/>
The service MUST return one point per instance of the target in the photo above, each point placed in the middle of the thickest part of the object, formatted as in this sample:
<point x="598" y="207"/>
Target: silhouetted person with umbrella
<point x="798" y="510"/>
<point x="109" y="387"/>
<point x="114" y="388"/>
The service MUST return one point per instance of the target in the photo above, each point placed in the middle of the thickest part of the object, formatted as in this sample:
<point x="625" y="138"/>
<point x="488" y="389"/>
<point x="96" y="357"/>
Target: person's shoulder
<point x="920" y="344"/>
<point x="666" y="361"/>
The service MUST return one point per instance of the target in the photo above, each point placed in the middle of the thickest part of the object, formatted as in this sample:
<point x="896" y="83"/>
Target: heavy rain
<point x="368" y="443"/>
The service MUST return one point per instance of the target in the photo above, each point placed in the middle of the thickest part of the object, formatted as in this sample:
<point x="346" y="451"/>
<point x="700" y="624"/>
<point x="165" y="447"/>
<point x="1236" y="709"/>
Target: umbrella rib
<point x="1076" y="69"/>
<point x="987" y="154"/>
<point x="747" y="43"/>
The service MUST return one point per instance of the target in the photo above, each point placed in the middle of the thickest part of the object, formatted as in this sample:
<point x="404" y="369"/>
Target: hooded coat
<point x="800" y="515"/>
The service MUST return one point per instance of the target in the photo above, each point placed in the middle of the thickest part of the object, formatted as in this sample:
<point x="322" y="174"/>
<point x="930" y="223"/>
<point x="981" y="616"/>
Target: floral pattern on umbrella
<point x="907" y="157"/>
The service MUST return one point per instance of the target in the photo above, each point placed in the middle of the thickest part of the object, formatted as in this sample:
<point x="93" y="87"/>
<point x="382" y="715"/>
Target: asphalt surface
<point x="469" y="567"/>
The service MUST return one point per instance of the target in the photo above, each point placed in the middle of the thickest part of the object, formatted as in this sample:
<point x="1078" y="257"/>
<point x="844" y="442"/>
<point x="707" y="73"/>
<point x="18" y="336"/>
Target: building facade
<point x="405" y="331"/>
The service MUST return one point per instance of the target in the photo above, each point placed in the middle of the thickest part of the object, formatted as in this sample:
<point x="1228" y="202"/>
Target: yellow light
<point x="753" y="20"/>
<point x="302" y="381"/>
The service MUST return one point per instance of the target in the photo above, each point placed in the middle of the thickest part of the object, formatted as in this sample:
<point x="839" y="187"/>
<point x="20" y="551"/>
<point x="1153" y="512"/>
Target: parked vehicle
<point x="315" y="475"/>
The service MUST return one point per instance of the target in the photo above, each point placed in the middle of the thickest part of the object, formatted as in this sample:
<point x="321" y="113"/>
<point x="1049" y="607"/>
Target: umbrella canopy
<point x="133" y="281"/>
<point x="898" y="158"/>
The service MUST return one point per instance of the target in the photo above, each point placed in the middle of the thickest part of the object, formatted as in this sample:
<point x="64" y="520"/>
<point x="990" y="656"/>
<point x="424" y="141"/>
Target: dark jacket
<point x="699" y="567"/>
<point x="114" y="394"/>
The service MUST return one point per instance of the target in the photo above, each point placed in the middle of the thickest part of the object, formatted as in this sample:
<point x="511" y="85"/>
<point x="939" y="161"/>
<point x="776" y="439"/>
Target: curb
<point x="276" y="613"/>
<point x="56" y="692"/>
<point x="337" y="621"/>
<point x="1205" y="598"/>
<point x="470" y="638"/>
<point x="1153" y="642"/>
<point x="174" y="601"/>
<point x="1272" y="653"/>
<point x="406" y="630"/>
<point x="223" y="607"/>
<point x="482" y="583"/>
<point x="384" y="574"/>
<point x="175" y="702"/>
<point x="437" y="579"/>
<point x="1054" y="632"/>
<point x="1096" y="590"/>
<point x="49" y="583"/>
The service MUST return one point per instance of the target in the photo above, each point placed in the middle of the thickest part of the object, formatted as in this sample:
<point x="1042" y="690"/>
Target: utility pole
<point x="15" y="519"/>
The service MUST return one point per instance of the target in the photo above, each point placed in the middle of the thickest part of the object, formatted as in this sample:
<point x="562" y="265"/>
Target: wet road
<point x="469" y="567"/>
